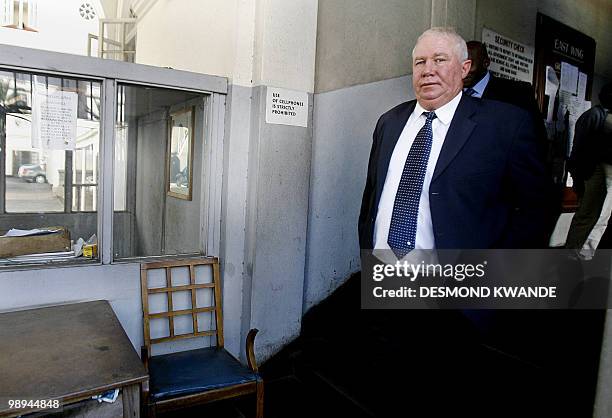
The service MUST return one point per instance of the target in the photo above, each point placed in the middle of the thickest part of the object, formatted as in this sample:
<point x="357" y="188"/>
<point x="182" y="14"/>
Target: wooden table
<point x="69" y="353"/>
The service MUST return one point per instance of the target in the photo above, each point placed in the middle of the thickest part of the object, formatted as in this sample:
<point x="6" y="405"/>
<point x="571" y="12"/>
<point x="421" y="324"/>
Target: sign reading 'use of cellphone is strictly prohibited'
<point x="287" y="107"/>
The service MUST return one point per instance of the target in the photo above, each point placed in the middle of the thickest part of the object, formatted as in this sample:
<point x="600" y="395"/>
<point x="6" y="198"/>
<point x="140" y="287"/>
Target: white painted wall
<point x="119" y="284"/>
<point x="286" y="34"/>
<point x="210" y="36"/>
<point x="192" y="35"/>
<point x="344" y="122"/>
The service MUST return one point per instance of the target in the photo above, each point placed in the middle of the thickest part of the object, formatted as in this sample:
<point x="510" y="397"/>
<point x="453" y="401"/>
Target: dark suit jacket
<point x="488" y="186"/>
<point x="521" y="94"/>
<point x="591" y="145"/>
<point x="518" y="93"/>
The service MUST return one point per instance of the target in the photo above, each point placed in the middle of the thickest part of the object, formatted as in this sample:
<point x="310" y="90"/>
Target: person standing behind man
<point x="590" y="165"/>
<point x="450" y="171"/>
<point x="480" y="83"/>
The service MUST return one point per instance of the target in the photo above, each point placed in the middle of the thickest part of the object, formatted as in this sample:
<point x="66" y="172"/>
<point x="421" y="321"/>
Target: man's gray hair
<point x="460" y="45"/>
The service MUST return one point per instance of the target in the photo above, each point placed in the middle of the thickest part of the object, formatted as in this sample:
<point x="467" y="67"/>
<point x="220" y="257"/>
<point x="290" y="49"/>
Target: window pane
<point x="35" y="173"/>
<point x="34" y="178"/>
<point x="45" y="135"/>
<point x="150" y="219"/>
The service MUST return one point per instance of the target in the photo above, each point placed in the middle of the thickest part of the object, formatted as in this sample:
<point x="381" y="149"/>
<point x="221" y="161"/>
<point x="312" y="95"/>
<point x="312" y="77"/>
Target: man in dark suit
<point x="450" y="171"/>
<point x="480" y="83"/>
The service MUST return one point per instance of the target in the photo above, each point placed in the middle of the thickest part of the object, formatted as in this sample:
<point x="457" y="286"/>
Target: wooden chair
<point x="198" y="376"/>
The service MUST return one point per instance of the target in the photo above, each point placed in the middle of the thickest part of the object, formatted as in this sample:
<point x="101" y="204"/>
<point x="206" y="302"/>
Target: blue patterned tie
<point x="402" y="231"/>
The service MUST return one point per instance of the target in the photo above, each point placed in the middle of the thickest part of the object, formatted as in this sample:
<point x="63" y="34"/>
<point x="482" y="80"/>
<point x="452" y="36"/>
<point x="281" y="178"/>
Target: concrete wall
<point x="192" y="35"/>
<point x="344" y="122"/>
<point x="278" y="175"/>
<point x="361" y="41"/>
<point x="276" y="232"/>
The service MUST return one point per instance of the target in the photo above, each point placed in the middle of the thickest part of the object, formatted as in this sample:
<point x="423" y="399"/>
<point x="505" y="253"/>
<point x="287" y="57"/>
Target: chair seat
<point x="195" y="371"/>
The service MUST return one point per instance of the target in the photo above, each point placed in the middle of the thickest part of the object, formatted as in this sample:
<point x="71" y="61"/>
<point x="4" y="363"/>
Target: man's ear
<point x="486" y="62"/>
<point x="465" y="68"/>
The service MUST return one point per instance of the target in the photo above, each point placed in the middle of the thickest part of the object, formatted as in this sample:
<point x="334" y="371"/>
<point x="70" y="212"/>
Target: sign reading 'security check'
<point x="509" y="59"/>
<point x="287" y="107"/>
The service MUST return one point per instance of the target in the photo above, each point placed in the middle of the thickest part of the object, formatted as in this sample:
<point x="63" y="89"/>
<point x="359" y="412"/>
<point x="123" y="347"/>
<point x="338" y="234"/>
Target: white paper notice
<point x="552" y="85"/>
<point x="582" y="82"/>
<point x="286" y="107"/>
<point x="569" y="77"/>
<point x="54" y="118"/>
<point x="509" y="58"/>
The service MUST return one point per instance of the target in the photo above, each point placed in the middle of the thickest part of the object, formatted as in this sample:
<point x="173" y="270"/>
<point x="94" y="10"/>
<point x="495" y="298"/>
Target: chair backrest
<point x="169" y="289"/>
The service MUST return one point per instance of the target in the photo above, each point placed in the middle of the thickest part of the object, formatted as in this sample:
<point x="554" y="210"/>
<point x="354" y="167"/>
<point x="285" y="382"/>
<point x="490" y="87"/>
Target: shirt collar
<point x="481" y="85"/>
<point x="444" y="113"/>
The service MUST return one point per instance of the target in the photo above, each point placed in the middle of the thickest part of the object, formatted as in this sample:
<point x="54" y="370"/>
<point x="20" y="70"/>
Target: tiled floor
<point x="350" y="362"/>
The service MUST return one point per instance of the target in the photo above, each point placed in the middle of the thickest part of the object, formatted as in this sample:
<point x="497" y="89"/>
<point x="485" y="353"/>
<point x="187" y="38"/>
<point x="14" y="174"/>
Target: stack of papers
<point x="29" y="232"/>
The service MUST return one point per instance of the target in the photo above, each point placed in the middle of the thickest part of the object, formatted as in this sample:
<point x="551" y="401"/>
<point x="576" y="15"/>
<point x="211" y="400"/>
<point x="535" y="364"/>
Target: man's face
<point x="479" y="66"/>
<point x="437" y="73"/>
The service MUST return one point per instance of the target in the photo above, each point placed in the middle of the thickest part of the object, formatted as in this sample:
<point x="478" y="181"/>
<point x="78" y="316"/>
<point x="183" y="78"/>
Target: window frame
<point x="110" y="73"/>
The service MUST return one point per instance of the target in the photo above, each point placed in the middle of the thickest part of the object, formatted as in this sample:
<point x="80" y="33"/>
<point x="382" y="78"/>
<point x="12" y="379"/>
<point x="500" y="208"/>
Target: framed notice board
<point x="563" y="78"/>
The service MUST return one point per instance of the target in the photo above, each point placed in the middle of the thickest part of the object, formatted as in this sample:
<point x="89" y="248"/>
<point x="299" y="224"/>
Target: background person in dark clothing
<point x="481" y="83"/>
<point x="590" y="165"/>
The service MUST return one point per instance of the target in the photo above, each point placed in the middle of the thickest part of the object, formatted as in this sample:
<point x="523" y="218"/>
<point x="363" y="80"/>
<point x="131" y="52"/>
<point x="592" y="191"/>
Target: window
<point x="158" y="212"/>
<point x="19" y="14"/>
<point x="50" y="158"/>
<point x="91" y="154"/>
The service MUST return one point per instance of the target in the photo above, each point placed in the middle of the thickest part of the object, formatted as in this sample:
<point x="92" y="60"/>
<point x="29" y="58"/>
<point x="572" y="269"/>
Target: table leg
<point x="131" y="401"/>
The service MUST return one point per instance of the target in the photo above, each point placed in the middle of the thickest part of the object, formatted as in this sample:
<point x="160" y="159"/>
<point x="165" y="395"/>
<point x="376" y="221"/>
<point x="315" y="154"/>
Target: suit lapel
<point x="458" y="133"/>
<point x="388" y="143"/>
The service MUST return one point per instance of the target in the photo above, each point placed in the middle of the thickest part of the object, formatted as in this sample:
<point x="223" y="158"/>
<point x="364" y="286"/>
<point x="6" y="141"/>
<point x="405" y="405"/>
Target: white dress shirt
<point x="424" y="234"/>
<point x="480" y="87"/>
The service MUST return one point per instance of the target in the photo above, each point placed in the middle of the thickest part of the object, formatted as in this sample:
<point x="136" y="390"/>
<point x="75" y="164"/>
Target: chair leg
<point x="260" y="398"/>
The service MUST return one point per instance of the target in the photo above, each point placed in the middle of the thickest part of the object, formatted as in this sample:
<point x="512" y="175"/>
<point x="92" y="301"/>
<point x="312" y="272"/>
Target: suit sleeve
<point x="529" y="189"/>
<point x="582" y="160"/>
<point x="366" y="215"/>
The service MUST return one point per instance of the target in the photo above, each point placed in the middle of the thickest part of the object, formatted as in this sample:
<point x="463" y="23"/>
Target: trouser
<point x="589" y="210"/>
<point x="592" y="241"/>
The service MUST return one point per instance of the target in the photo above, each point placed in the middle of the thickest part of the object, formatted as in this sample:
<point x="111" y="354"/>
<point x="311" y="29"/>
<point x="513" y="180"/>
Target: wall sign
<point x="54" y="120"/>
<point x="286" y="107"/>
<point x="509" y="59"/>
